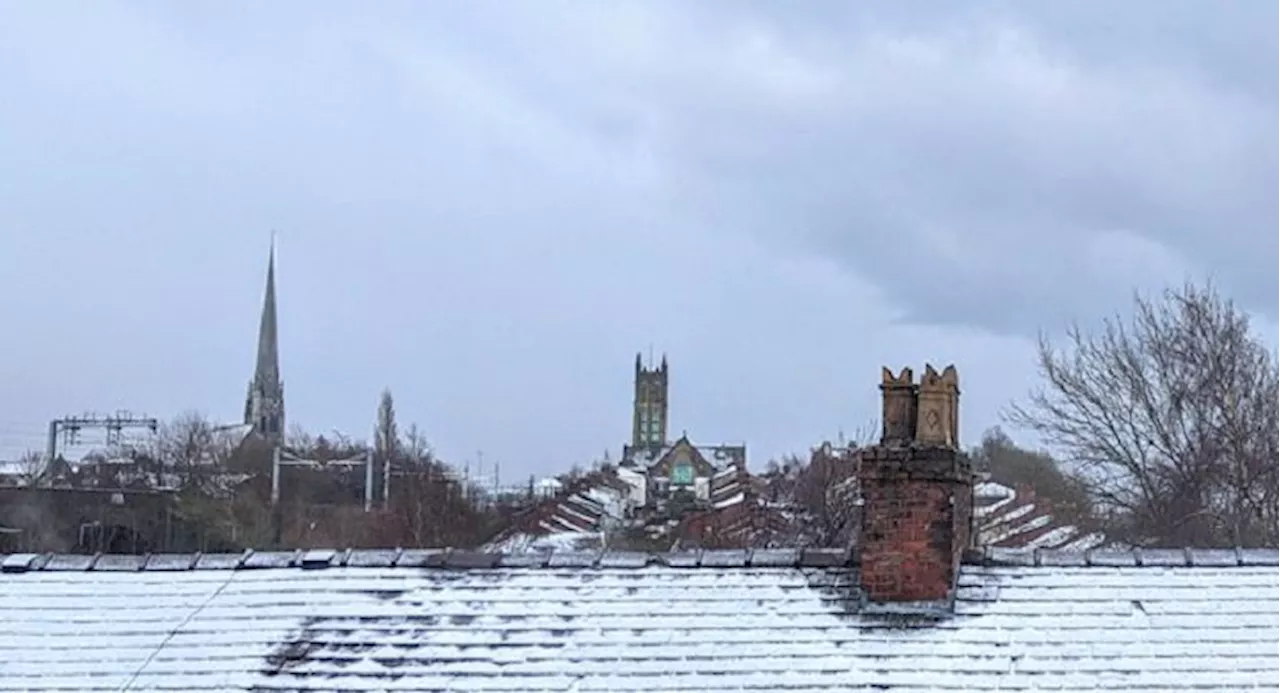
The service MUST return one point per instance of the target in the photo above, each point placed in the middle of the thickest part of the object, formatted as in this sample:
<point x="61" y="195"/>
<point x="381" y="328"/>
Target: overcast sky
<point x="491" y="207"/>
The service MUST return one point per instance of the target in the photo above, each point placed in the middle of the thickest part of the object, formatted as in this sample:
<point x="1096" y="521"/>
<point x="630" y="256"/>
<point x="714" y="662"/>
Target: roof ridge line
<point x="1188" y="557"/>
<point x="449" y="557"/>
<point x="478" y="559"/>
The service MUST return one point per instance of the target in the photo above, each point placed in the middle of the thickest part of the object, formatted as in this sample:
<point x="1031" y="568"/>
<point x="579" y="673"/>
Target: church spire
<point x="264" y="406"/>
<point x="268" y="364"/>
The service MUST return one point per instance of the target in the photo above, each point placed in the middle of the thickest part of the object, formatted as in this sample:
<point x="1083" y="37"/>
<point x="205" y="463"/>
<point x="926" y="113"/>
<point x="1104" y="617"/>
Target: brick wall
<point x="51" y="518"/>
<point x="915" y="521"/>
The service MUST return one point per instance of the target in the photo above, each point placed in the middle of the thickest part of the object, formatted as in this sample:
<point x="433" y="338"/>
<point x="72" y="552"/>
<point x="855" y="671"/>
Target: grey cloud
<point x="524" y="194"/>
<point x="1000" y="167"/>
<point x="1005" y="142"/>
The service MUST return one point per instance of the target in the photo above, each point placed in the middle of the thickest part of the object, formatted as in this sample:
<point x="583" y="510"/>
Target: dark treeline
<point x="216" y="489"/>
<point x="424" y="503"/>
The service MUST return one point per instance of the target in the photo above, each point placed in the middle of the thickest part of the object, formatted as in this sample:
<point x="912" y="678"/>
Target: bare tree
<point x="1170" y="418"/>
<point x="32" y="469"/>
<point x="415" y="448"/>
<point x="386" y="439"/>
<point x="863" y="435"/>
<point x="195" y="450"/>
<point x="823" y="490"/>
<point x="430" y="507"/>
<point x="828" y="490"/>
<point x="216" y="507"/>
<point x="299" y="438"/>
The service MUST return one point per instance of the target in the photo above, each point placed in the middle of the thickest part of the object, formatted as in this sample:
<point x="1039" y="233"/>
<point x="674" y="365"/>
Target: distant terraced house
<point x="611" y="501"/>
<point x="1014" y="518"/>
<point x="576" y="518"/>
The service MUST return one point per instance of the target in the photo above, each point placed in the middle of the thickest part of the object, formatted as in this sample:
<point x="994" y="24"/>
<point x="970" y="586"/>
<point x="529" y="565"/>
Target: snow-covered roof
<point x="718" y="456"/>
<point x="1015" y="518"/>
<point x="14" y="468"/>
<point x="736" y="498"/>
<point x="712" y="621"/>
<point x="555" y="541"/>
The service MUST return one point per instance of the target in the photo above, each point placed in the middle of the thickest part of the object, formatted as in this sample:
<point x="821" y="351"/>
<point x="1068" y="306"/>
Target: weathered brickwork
<point x="917" y="501"/>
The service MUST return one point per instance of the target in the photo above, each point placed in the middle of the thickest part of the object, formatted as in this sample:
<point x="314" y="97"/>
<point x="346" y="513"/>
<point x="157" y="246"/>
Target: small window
<point x="682" y="474"/>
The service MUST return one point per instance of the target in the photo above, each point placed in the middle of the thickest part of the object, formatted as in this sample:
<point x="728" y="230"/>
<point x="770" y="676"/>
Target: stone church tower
<point x="264" y="405"/>
<point x="649" y="421"/>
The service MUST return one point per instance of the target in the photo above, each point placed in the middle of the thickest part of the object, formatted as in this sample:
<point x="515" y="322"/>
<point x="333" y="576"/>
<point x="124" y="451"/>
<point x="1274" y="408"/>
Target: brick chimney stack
<point x="917" y="492"/>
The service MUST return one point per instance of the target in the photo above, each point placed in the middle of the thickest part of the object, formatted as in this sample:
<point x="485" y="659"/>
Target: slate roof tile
<point x="320" y="558"/>
<point x="1162" y="557"/>
<point x="1115" y="559"/>
<point x="119" y="562"/>
<point x="375" y="558"/>
<point x="524" y="560"/>
<point x="775" y="558"/>
<point x="615" y="623"/>
<point x="1214" y="558"/>
<point x="1259" y="556"/>
<point x="682" y="559"/>
<point x="723" y="558"/>
<point x="19" y="562"/>
<point x="272" y="559"/>
<point x="420" y="558"/>
<point x="573" y="559"/>
<point x="70" y="562"/>
<point x="170" y="561"/>
<point x="624" y="559"/>
<point x="221" y="561"/>
<point x="471" y="559"/>
<point x="824" y="557"/>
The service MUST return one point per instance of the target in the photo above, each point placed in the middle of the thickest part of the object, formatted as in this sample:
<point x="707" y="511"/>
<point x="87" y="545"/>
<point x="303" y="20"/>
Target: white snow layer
<point x="642" y="629"/>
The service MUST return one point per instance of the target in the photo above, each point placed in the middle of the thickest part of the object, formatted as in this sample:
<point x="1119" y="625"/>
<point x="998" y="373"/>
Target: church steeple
<point x="264" y="406"/>
<point x="268" y="365"/>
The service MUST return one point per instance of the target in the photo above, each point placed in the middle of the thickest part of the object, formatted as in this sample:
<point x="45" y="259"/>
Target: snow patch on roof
<point x="556" y="541"/>
<point x="731" y="500"/>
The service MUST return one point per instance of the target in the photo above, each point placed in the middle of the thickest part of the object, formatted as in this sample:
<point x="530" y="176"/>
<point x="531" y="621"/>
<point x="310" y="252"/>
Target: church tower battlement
<point x="264" y="404"/>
